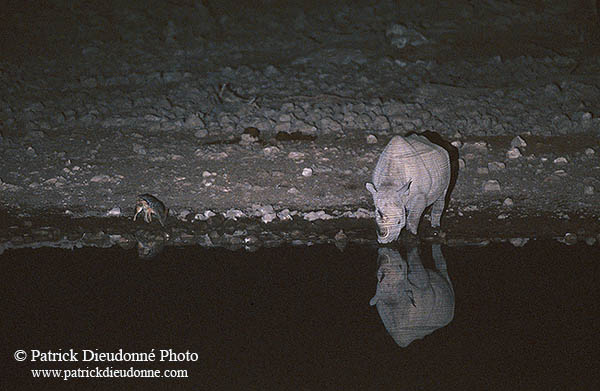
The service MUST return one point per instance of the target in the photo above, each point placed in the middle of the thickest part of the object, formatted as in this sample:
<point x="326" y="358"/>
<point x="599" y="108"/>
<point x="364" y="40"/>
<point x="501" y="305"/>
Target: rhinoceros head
<point x="392" y="277"/>
<point x="390" y="210"/>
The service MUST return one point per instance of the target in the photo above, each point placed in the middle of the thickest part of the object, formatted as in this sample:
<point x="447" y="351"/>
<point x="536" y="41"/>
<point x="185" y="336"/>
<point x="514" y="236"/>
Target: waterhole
<point x="310" y="318"/>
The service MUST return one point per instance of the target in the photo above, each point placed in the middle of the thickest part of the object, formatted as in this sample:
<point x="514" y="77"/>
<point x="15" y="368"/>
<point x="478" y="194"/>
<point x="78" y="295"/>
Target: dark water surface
<point x="299" y="318"/>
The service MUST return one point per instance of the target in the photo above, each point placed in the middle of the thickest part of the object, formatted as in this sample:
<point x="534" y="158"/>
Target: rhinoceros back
<point x="414" y="158"/>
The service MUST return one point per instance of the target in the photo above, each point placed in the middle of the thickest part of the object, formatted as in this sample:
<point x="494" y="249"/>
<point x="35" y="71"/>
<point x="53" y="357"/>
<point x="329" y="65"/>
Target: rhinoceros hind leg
<point x="436" y="211"/>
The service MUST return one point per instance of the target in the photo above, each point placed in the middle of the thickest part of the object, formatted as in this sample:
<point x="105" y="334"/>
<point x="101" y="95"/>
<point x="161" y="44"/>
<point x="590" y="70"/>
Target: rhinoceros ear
<point x="370" y="187"/>
<point x="411" y="296"/>
<point x="405" y="189"/>
<point x="373" y="300"/>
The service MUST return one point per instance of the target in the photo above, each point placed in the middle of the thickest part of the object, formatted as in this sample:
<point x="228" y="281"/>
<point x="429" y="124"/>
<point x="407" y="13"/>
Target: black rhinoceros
<point x="411" y="174"/>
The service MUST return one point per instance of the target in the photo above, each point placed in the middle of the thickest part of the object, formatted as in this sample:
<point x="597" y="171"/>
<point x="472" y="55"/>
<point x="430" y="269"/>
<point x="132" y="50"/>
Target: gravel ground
<point x="269" y="116"/>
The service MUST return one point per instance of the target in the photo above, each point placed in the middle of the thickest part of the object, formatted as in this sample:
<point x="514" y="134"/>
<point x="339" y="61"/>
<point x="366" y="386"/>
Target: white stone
<point x="307" y="172"/>
<point x="114" y="212"/>
<point x="588" y="190"/>
<point x="560" y="160"/>
<point x="284" y="215"/>
<point x="518" y="242"/>
<point x="205" y="216"/>
<point x="371" y="139"/>
<point x="513" y="153"/>
<point x="491" y="186"/>
<point x="589" y="151"/>
<point x="234" y="214"/>
<point x="508" y="203"/>
<point x="320" y="215"/>
<point x="102" y="178"/>
<point x="296" y="155"/>
<point x="560" y="173"/>
<point x="270" y="151"/>
<point x="268" y="217"/>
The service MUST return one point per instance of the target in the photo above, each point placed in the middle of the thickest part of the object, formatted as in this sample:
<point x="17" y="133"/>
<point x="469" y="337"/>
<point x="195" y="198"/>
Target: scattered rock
<point x="320" y="215"/>
<point x="496" y="166"/>
<point x="588" y="190"/>
<point x="247" y="139"/>
<point x="31" y="152"/>
<point x="271" y="71"/>
<point x="518" y="142"/>
<point x="234" y="214"/>
<point x="307" y="172"/>
<point x="513" y="153"/>
<point x="183" y="214"/>
<point x="560" y="173"/>
<point x="101" y="178"/>
<point x="508" y="203"/>
<point x="491" y="186"/>
<point x="114" y="212"/>
<point x="560" y="160"/>
<point x="570" y="239"/>
<point x="296" y="155"/>
<point x="207" y="214"/>
<point x="270" y="151"/>
<point x="399" y="36"/>
<point x="477" y="146"/>
<point x="139" y="149"/>
<point x="10" y="187"/>
<point x="265" y="212"/>
<point x="360" y="213"/>
<point x="284" y="215"/>
<point x="518" y="242"/>
<point x="341" y="240"/>
<point x="371" y="139"/>
<point x="589" y="151"/>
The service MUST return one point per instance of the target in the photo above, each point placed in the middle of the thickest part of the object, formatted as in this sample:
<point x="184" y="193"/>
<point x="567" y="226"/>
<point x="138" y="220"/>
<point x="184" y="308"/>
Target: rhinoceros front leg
<point x="416" y="206"/>
<point x="436" y="211"/>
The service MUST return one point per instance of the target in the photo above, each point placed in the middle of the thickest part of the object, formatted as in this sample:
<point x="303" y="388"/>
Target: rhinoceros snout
<point x="383" y="232"/>
<point x="388" y="234"/>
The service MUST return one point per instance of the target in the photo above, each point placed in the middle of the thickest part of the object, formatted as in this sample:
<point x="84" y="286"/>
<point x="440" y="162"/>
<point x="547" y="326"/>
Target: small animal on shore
<point x="411" y="174"/>
<point x="150" y="205"/>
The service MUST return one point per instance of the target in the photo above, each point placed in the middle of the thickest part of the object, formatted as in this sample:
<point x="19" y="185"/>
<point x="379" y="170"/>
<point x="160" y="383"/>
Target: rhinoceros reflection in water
<point x="412" y="301"/>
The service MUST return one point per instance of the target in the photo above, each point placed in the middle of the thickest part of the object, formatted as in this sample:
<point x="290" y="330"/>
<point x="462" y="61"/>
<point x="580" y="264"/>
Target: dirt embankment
<point x="273" y="121"/>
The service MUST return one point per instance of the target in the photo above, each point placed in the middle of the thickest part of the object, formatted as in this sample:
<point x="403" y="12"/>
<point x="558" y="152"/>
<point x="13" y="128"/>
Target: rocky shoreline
<point x="257" y="120"/>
